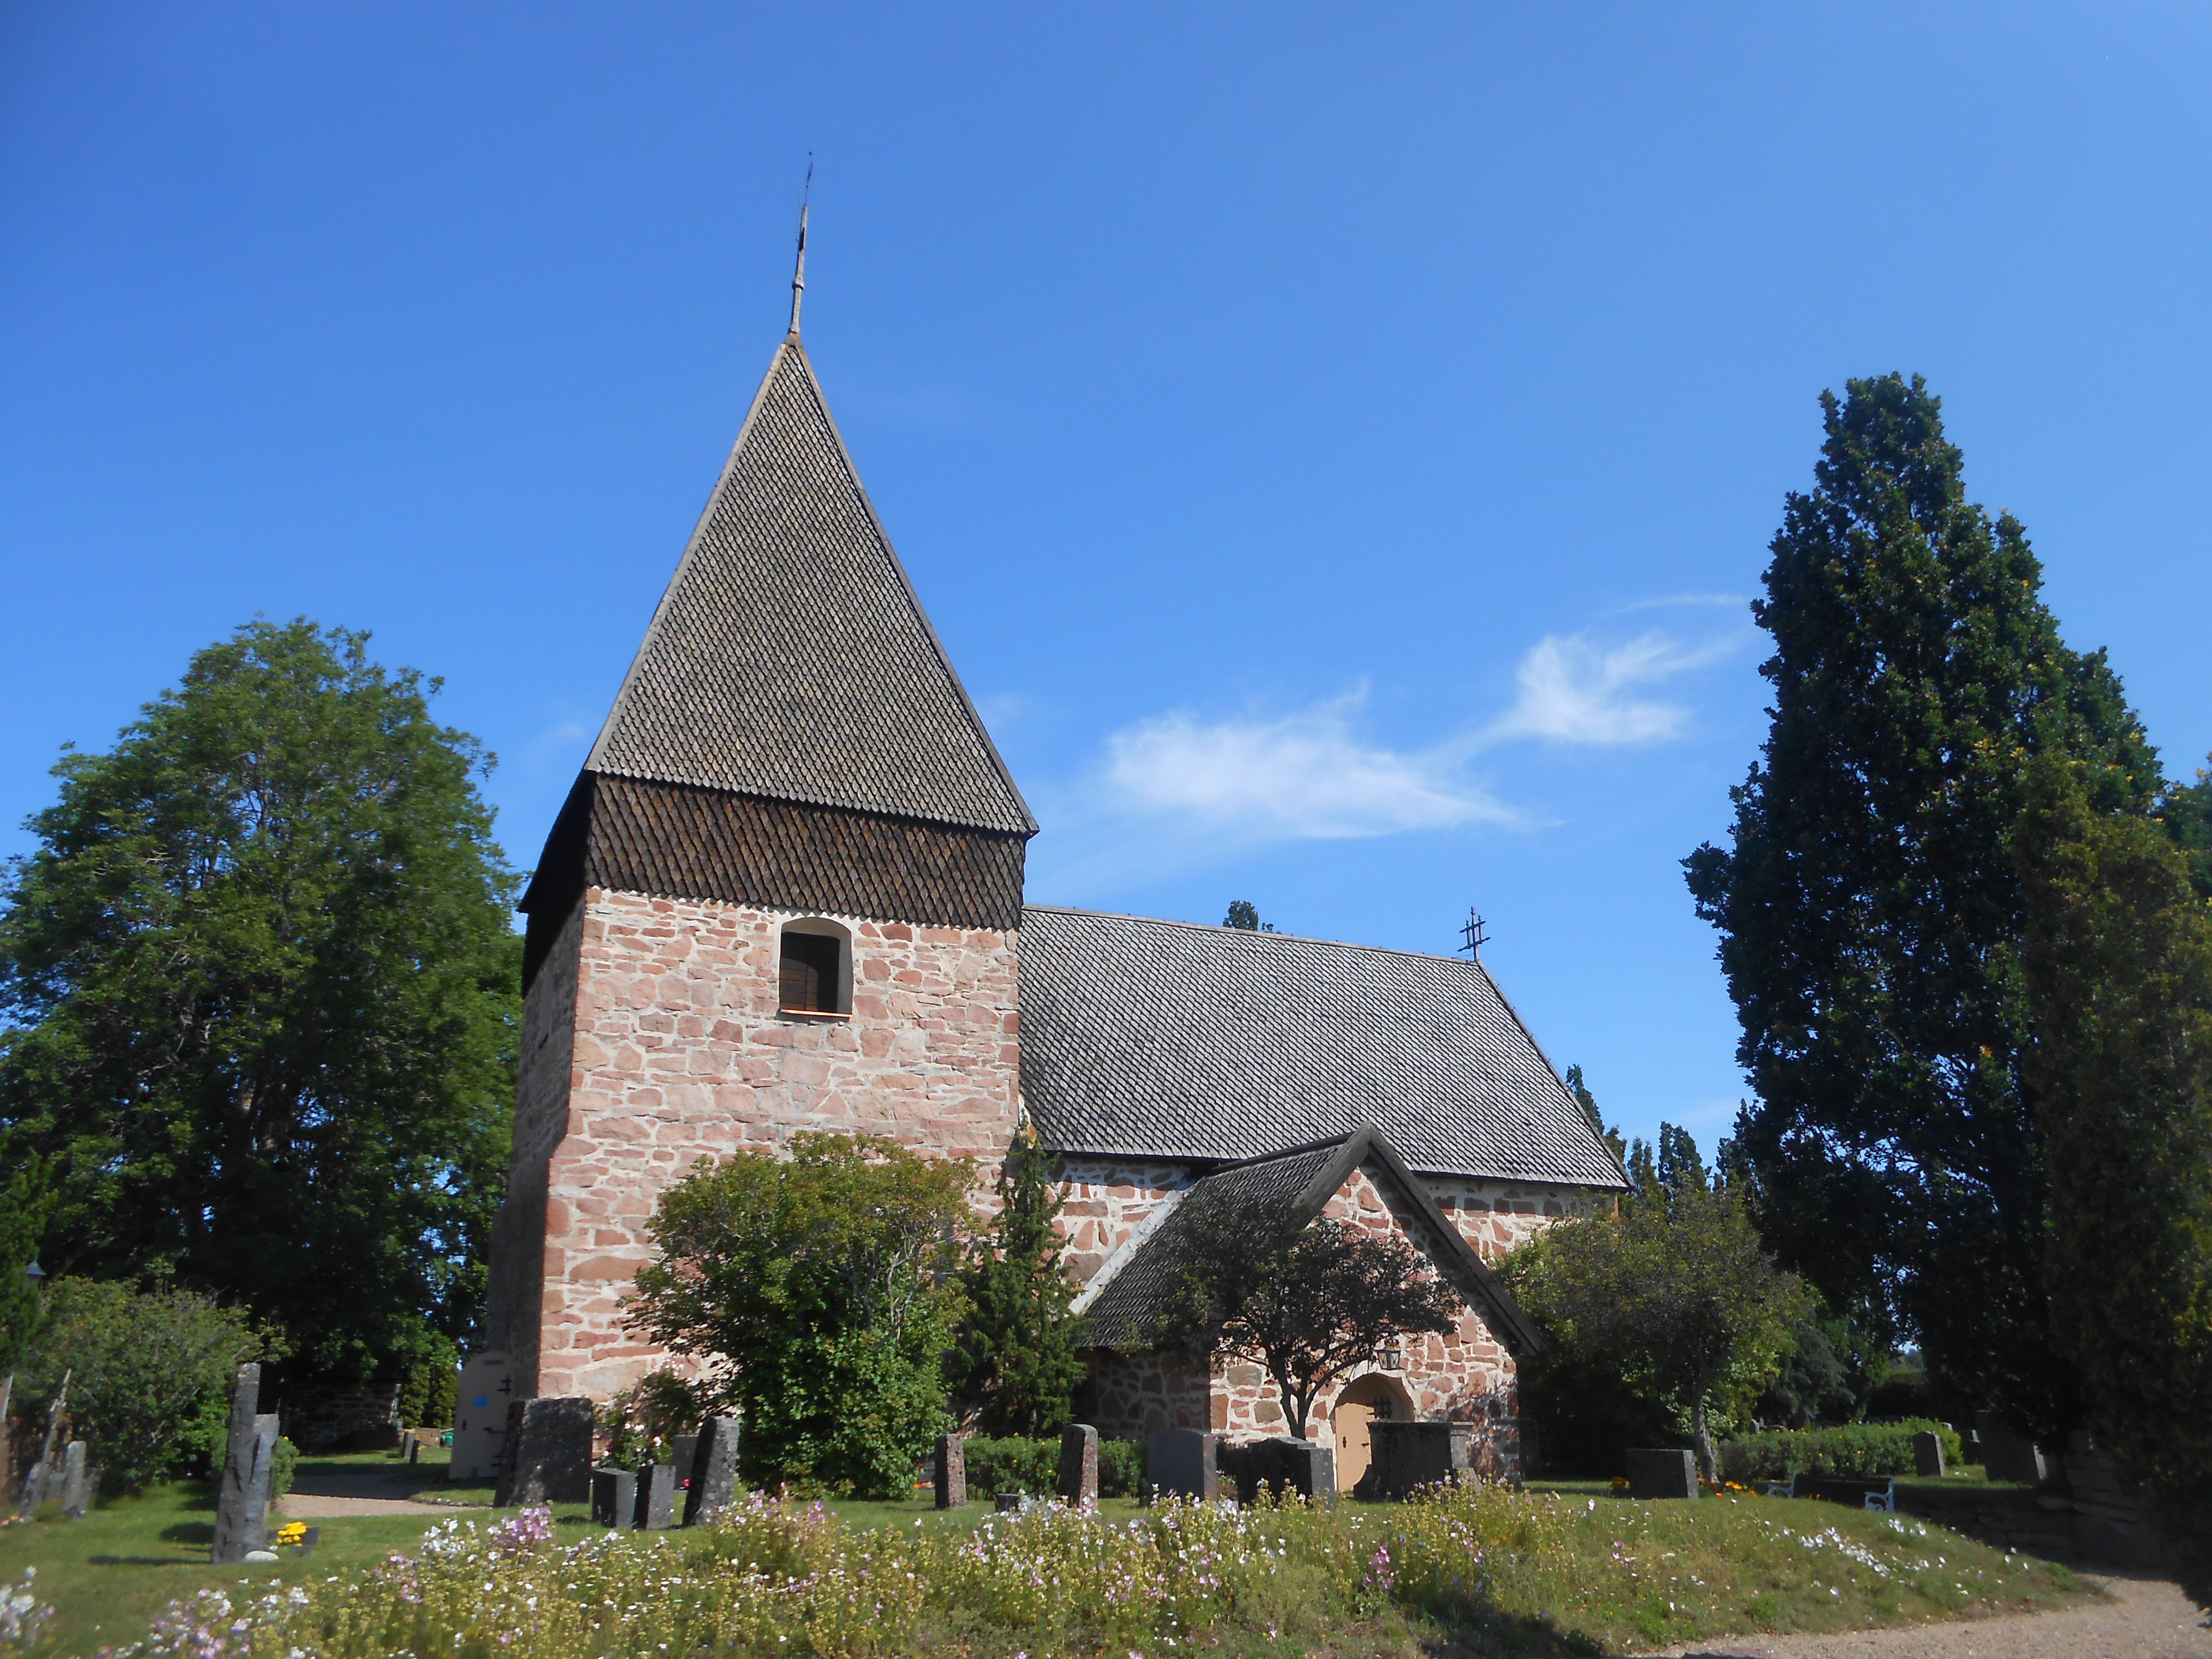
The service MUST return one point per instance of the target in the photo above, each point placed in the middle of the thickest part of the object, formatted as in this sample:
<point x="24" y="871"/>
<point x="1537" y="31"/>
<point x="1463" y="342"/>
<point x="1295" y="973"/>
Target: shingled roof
<point x="790" y="659"/>
<point x="1121" y="1306"/>
<point x="1163" y="1039"/>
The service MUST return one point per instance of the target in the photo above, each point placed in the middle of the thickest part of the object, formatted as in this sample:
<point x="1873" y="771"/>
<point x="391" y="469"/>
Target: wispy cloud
<point x="1306" y="776"/>
<point x="1574" y="690"/>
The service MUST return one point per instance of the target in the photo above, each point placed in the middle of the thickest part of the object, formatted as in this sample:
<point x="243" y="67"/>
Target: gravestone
<point x="1928" y="1452"/>
<point x="241" y="1509"/>
<point x="2009" y="1455"/>
<point x="1077" y="1482"/>
<point x="952" y="1471"/>
<point x="1409" y="1455"/>
<point x="485" y="1389"/>
<point x="546" y="1453"/>
<point x="687" y="1453"/>
<point x="1661" y="1472"/>
<point x="713" y="1471"/>
<point x="77" y="1490"/>
<point x="1280" y="1465"/>
<point x="656" y="1497"/>
<point x="614" y="1499"/>
<point x="1184" y="1462"/>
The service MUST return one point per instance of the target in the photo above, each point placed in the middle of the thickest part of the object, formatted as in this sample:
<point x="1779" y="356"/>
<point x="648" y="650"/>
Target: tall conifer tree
<point x="1870" y="913"/>
<point x="1015" y="1365"/>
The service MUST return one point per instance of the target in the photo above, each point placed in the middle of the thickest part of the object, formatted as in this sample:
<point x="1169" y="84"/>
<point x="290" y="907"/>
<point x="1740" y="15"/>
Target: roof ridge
<point x="1270" y="933"/>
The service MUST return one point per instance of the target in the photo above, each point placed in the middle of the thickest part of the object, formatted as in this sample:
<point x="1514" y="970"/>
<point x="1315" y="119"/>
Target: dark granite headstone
<point x="77" y="1490"/>
<point x="952" y="1471"/>
<point x="2009" y="1455"/>
<point x="1654" y="1471"/>
<point x="1928" y="1452"/>
<point x="1184" y="1462"/>
<point x="1281" y="1466"/>
<point x="687" y="1452"/>
<point x="713" y="1471"/>
<point x="1409" y="1455"/>
<point x="546" y="1457"/>
<point x="1077" y="1482"/>
<point x="614" y="1499"/>
<point x="241" y="1518"/>
<point x="656" y="1497"/>
<point x="1010" y="1502"/>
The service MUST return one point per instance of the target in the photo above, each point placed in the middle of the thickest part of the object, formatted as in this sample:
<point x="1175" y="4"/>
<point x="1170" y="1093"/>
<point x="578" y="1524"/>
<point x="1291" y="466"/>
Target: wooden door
<point x="1369" y="1399"/>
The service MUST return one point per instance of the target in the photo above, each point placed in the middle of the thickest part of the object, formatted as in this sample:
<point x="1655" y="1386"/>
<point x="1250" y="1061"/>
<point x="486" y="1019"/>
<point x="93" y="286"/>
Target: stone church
<point x="785" y="894"/>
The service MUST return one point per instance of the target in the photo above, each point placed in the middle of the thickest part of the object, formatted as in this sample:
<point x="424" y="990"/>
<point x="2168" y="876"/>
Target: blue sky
<point x="1336" y="444"/>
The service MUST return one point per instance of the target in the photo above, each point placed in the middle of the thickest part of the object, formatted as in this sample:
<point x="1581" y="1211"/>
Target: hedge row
<point x="1032" y="1465"/>
<point x="1862" y="1449"/>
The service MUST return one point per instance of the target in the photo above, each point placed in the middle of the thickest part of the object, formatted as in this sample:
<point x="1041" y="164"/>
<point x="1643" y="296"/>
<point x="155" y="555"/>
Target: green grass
<point x="111" y="1572"/>
<point x="1553" y="1573"/>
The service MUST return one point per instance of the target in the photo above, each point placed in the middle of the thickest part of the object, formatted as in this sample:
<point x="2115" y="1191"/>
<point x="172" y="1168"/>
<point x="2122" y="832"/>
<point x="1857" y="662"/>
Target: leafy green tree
<point x="822" y="1290"/>
<point x="2187" y="812"/>
<point x="1245" y="916"/>
<point x="264" y="991"/>
<point x="1672" y="1292"/>
<point x="1309" y="1303"/>
<point x="24" y="1206"/>
<point x="1869" y="913"/>
<point x="149" y="1374"/>
<point x="2118" y="966"/>
<point x="1015" y="1365"/>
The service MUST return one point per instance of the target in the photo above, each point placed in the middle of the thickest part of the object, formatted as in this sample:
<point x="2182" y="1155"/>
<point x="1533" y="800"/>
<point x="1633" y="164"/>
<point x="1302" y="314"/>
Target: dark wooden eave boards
<point x="792" y="732"/>
<point x="1319" y="1169"/>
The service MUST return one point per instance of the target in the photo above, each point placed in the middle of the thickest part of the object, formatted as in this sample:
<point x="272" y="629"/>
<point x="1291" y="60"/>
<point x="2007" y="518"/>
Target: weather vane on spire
<point x="798" y="277"/>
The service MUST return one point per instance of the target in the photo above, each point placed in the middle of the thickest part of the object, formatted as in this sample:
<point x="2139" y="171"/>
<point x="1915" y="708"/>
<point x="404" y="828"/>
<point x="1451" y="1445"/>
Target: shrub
<point x="817" y="1291"/>
<point x="1016" y="1463"/>
<point x="1873" y="1449"/>
<point x="149" y="1374"/>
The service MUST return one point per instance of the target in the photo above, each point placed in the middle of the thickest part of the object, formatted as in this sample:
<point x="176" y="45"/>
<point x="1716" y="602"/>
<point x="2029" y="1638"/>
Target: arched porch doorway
<point x="1373" y="1398"/>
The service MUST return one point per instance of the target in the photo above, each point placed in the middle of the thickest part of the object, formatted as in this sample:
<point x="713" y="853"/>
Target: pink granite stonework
<point x="1467" y="1377"/>
<point x="676" y="1052"/>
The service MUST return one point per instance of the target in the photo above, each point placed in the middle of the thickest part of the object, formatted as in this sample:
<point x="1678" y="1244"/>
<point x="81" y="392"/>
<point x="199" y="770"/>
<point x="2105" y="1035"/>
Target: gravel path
<point x="2147" y="1619"/>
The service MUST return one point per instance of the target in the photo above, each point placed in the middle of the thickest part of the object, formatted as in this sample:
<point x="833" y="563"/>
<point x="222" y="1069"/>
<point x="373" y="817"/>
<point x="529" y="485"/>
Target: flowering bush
<point x="774" y="1577"/>
<point x="23" y="1615"/>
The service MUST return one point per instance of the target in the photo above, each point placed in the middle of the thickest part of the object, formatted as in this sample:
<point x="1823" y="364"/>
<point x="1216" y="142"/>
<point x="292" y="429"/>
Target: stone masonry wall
<point x="1467" y="1377"/>
<point x="541" y="1119"/>
<point x="680" y="1052"/>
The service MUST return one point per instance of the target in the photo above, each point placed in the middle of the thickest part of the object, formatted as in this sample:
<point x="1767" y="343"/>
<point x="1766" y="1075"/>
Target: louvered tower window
<point x="814" y="972"/>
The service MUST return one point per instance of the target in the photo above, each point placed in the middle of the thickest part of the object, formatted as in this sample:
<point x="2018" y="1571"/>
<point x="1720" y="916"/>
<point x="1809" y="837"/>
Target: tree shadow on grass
<point x="1488" y="1635"/>
<point x="190" y="1532"/>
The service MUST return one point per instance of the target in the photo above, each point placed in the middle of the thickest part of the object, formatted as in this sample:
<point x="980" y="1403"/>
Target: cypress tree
<point x="2119" y="960"/>
<point x="1015" y="1365"/>
<point x="1870" y="913"/>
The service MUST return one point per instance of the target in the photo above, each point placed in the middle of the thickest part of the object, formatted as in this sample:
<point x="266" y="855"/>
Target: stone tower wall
<point x="680" y="1053"/>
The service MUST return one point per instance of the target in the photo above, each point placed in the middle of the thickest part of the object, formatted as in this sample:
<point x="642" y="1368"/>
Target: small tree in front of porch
<point x="1310" y="1303"/>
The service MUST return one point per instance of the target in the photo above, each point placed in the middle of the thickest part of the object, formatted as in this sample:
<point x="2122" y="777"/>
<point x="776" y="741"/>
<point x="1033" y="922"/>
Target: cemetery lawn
<point x="110" y="1573"/>
<point x="1480" y="1572"/>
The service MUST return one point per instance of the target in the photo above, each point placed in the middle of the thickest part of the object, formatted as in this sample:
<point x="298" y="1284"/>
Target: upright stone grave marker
<point x="1280" y="1465"/>
<point x="952" y="1471"/>
<point x="1078" y="1482"/>
<point x="77" y="1491"/>
<point x="547" y="1453"/>
<point x="614" y="1499"/>
<point x="1184" y="1464"/>
<point x="713" y="1471"/>
<point x="241" y="1509"/>
<point x="1928" y="1452"/>
<point x="656" y="1497"/>
<point x="1409" y="1455"/>
<point x="1654" y="1471"/>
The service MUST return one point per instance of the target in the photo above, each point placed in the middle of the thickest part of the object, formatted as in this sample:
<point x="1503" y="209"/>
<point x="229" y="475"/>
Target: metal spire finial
<point x="798" y="277"/>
